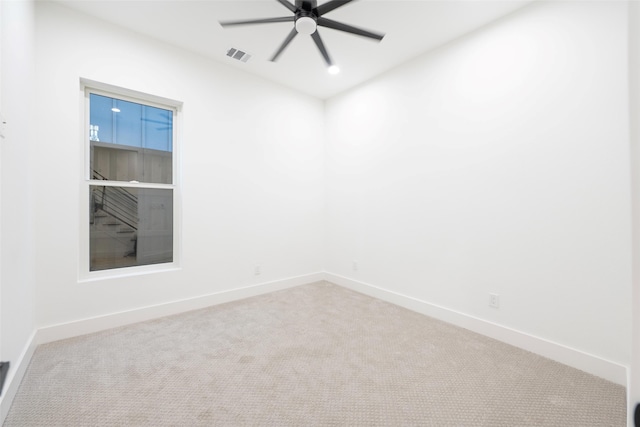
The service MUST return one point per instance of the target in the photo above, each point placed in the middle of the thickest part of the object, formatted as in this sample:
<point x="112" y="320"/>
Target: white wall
<point x="17" y="277"/>
<point x="252" y="179"/>
<point x="633" y="389"/>
<point x="496" y="164"/>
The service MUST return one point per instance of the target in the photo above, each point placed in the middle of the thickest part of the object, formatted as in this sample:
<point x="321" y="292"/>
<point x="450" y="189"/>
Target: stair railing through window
<point x="116" y="202"/>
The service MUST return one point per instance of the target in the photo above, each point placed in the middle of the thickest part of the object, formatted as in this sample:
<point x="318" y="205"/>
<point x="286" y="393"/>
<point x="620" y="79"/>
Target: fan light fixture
<point x="307" y="16"/>
<point x="306" y="25"/>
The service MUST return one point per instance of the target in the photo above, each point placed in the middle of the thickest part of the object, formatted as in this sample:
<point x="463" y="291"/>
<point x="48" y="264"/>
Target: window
<point x="130" y="181"/>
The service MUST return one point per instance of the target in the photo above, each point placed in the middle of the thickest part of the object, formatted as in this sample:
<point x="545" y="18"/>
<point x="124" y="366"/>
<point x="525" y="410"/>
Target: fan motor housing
<point x="306" y="5"/>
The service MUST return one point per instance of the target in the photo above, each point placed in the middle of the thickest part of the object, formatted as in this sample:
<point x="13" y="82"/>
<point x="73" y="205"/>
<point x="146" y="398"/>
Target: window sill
<point x="119" y="273"/>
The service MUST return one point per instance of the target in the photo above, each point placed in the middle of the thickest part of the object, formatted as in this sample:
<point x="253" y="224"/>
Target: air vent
<point x="238" y="54"/>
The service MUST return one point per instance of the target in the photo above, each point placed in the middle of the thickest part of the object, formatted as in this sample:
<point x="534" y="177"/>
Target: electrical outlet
<point x="494" y="300"/>
<point x="257" y="270"/>
<point x="354" y="265"/>
<point x="3" y="126"/>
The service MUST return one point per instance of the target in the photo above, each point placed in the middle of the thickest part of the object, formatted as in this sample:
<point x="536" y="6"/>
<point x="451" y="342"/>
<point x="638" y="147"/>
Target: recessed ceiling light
<point x="334" y="69"/>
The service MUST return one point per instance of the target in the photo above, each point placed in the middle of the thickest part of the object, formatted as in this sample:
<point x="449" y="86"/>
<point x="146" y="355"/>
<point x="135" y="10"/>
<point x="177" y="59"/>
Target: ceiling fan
<point x="307" y="16"/>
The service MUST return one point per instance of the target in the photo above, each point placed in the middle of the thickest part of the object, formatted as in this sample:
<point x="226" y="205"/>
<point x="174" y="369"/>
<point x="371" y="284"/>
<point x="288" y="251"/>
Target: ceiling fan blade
<point x="324" y="22"/>
<point x="288" y="5"/>
<point x="258" y="21"/>
<point x="284" y="44"/>
<point x="331" y="5"/>
<point x="316" y="38"/>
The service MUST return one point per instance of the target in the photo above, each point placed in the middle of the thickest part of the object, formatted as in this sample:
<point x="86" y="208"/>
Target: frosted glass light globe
<point x="306" y="25"/>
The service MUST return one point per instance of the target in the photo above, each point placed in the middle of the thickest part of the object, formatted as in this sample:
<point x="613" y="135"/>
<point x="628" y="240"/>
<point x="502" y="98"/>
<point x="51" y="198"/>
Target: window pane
<point x="130" y="226"/>
<point x="130" y="141"/>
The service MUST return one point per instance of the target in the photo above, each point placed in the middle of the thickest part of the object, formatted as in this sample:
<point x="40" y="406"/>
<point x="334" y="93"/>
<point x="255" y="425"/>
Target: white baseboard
<point x="100" y="323"/>
<point x="594" y="365"/>
<point x="14" y="377"/>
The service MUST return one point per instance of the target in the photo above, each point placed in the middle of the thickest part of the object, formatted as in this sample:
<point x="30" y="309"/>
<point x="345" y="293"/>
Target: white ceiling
<point x="411" y="28"/>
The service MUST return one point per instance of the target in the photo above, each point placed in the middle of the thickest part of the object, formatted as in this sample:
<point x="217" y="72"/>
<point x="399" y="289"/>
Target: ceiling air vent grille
<point x="238" y="54"/>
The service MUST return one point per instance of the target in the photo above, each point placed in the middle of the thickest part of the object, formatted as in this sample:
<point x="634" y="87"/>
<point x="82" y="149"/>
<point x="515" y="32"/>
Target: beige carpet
<point x="312" y="355"/>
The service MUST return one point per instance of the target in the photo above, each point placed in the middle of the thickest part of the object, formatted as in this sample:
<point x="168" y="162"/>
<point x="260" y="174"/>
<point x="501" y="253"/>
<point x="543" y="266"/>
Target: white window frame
<point x="88" y="87"/>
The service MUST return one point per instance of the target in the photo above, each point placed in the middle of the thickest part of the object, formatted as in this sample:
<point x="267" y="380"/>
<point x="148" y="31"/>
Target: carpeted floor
<point x="313" y="355"/>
